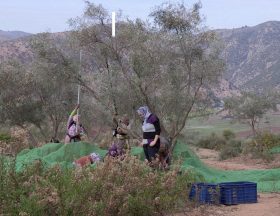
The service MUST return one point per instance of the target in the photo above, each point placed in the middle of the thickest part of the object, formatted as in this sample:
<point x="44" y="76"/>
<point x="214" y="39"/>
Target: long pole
<point x="79" y="90"/>
<point x="79" y="86"/>
<point x="113" y="24"/>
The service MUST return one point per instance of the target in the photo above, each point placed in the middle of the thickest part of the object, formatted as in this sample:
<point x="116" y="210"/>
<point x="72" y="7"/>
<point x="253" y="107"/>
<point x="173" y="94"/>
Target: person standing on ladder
<point x="74" y="128"/>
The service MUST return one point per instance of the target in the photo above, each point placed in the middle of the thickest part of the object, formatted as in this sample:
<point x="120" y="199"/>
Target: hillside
<point x="12" y="35"/>
<point x="252" y="55"/>
<point x="18" y="49"/>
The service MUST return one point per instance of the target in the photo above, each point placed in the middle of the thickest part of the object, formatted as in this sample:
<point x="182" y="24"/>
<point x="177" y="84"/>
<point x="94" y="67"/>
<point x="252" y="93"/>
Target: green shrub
<point x="231" y="149"/>
<point x="5" y="137"/>
<point x="211" y="142"/>
<point x="261" y="145"/>
<point x="267" y="140"/>
<point x="113" y="187"/>
<point x="226" y="144"/>
<point x="228" y="134"/>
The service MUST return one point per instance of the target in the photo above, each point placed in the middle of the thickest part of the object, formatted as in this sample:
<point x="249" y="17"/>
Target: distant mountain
<point x="11" y="35"/>
<point x="17" y="49"/>
<point x="14" y="45"/>
<point x="252" y="55"/>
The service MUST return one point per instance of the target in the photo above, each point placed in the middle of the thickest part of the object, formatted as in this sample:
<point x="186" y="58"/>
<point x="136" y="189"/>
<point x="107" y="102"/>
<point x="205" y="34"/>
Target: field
<point x="216" y="124"/>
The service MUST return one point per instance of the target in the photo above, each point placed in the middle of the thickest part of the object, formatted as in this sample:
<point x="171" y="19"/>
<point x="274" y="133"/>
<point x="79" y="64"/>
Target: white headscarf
<point x="144" y="110"/>
<point x="95" y="157"/>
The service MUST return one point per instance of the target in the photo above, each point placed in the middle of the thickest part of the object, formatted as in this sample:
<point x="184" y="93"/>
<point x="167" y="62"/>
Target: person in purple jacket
<point x="151" y="133"/>
<point x="74" y="128"/>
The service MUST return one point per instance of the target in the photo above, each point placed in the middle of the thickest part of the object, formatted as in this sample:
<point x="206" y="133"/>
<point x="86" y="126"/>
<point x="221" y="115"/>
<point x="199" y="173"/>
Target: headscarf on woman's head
<point x="144" y="110"/>
<point x="76" y="118"/>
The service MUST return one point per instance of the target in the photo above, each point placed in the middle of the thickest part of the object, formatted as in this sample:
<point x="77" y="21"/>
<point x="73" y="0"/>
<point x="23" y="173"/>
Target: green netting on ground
<point x="275" y="150"/>
<point x="64" y="155"/>
<point x="56" y="153"/>
<point x="267" y="180"/>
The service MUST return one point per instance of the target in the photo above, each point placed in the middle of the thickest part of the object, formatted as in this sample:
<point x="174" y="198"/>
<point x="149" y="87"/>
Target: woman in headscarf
<point x="74" y="128"/>
<point x="151" y="133"/>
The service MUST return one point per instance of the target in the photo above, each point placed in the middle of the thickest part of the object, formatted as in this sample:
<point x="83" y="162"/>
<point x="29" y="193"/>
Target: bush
<point x="13" y="142"/>
<point x="211" y="142"/>
<point x="227" y="145"/>
<point x="115" y="187"/>
<point x="260" y="146"/>
<point x="267" y="140"/>
<point x="228" y="134"/>
<point x="231" y="149"/>
<point x="5" y="137"/>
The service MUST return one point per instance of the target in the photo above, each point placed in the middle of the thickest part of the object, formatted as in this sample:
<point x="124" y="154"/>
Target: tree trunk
<point x="253" y="126"/>
<point x="55" y="129"/>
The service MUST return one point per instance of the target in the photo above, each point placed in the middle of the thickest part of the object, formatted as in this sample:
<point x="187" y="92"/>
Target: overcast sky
<point x="35" y="16"/>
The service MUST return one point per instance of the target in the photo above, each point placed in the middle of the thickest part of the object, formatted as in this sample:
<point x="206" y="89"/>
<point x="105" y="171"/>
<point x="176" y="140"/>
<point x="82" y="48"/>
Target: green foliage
<point x="212" y="142"/>
<point x="267" y="140"/>
<point x="17" y="97"/>
<point x="261" y="145"/>
<point x="226" y="144"/>
<point x="232" y="148"/>
<point x="5" y="137"/>
<point x="115" y="187"/>
<point x="250" y="107"/>
<point x="171" y="17"/>
<point x="228" y="134"/>
<point x="149" y="65"/>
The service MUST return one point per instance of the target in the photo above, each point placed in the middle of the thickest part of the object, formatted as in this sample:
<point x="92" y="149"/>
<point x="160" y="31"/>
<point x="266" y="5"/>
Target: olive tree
<point x="18" y="104"/>
<point x="53" y="90"/>
<point x="249" y="107"/>
<point x="194" y="63"/>
<point x="38" y="94"/>
<point x="167" y="65"/>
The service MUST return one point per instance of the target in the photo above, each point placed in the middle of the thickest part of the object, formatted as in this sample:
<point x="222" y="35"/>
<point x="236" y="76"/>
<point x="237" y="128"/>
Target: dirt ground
<point x="268" y="203"/>
<point x="211" y="158"/>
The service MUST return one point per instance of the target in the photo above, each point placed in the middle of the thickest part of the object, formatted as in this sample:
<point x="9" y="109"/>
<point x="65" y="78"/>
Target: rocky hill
<point x="11" y="35"/>
<point x="14" y="45"/>
<point x="252" y="55"/>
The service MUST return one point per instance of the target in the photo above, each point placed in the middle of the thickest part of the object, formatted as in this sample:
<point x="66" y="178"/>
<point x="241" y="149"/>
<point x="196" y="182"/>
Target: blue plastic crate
<point x="238" y="192"/>
<point x="204" y="193"/>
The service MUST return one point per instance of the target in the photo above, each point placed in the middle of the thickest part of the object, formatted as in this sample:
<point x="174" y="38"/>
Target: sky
<point x="36" y="16"/>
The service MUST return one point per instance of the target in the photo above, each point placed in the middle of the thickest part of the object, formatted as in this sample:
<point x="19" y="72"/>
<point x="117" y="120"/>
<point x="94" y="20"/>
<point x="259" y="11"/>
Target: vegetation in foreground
<point x="115" y="187"/>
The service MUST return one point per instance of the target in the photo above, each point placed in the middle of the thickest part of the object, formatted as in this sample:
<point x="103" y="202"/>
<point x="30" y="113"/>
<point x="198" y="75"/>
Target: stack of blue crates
<point x="204" y="193"/>
<point x="238" y="192"/>
<point x="227" y="193"/>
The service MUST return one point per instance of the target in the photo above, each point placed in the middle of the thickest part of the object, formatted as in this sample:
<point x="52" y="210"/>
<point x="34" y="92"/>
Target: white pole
<point x="113" y="24"/>
<point x="79" y="89"/>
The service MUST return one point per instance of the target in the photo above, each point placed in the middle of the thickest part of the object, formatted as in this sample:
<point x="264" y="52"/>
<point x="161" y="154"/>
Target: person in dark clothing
<point x="151" y="133"/>
<point x="120" y="134"/>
